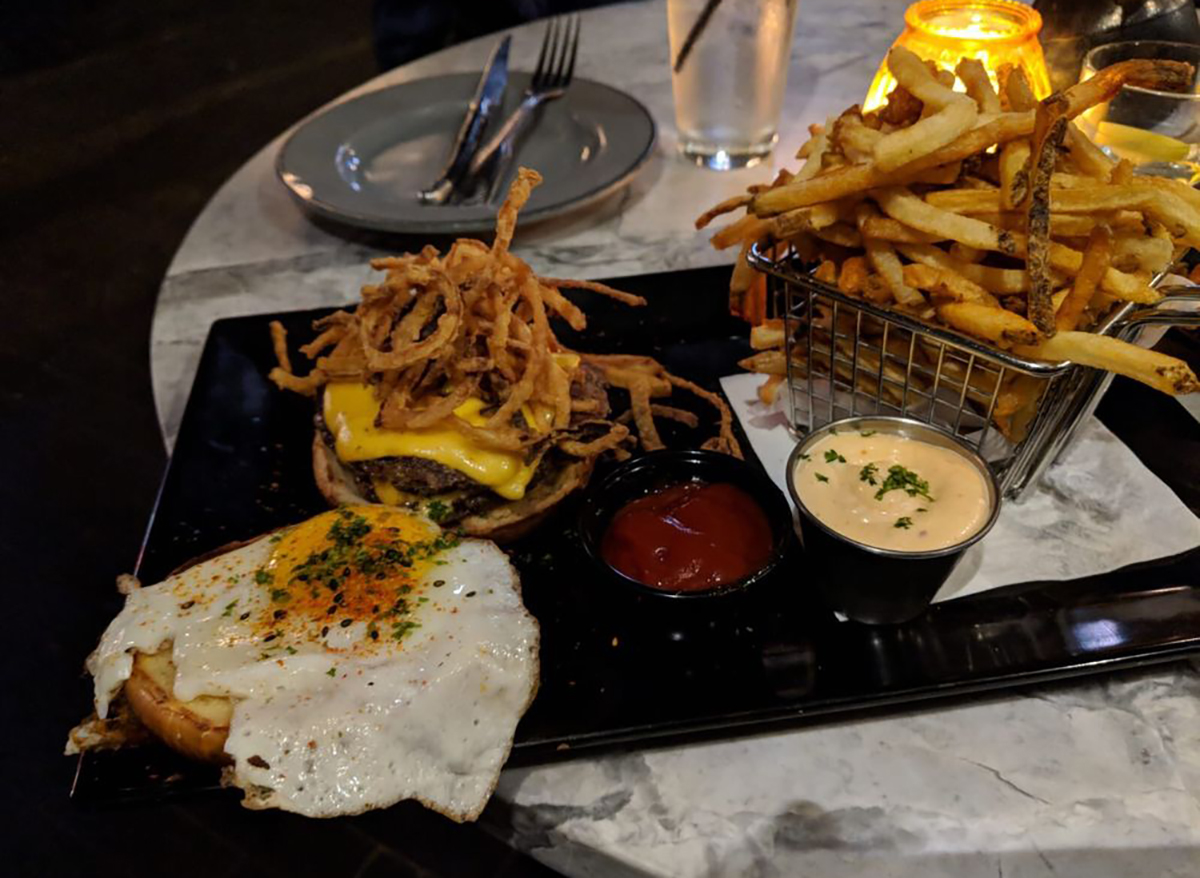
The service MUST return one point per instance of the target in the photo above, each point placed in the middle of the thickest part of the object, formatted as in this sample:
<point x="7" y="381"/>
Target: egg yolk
<point x="354" y="564"/>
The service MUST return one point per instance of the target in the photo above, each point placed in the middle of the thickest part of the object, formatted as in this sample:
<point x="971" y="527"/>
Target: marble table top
<point x="1098" y="779"/>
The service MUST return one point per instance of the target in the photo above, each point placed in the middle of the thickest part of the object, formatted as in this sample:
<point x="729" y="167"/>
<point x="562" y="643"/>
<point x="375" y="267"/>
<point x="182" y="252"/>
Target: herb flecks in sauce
<point x="821" y="477"/>
<point x="868" y="473"/>
<point x="904" y="522"/>
<point x="832" y="456"/>
<point x="900" y="478"/>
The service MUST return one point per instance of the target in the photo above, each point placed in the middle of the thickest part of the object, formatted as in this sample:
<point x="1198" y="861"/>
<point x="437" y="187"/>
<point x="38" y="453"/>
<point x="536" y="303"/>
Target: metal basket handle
<point x="1165" y="312"/>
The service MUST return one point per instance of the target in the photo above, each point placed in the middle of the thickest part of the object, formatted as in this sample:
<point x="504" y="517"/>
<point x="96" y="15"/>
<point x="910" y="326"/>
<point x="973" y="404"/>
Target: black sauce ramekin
<point x="660" y="469"/>
<point x="882" y="586"/>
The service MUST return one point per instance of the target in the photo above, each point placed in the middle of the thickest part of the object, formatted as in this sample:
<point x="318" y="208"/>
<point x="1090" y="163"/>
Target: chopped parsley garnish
<point x="280" y="594"/>
<point x="348" y="529"/>
<point x="868" y="473"/>
<point x="291" y="650"/>
<point x="821" y="478"/>
<point x="229" y="608"/>
<point x="866" y="434"/>
<point x="804" y="456"/>
<point x="922" y="509"/>
<point x="901" y="478"/>
<point x="400" y="630"/>
<point x="437" y="510"/>
<point x="332" y="672"/>
<point x="276" y="537"/>
<point x="263" y="577"/>
<point x="831" y="456"/>
<point x="904" y="523"/>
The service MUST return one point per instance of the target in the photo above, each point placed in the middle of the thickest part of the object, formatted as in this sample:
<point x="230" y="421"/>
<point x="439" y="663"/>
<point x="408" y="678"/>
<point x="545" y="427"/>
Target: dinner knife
<point x="488" y="95"/>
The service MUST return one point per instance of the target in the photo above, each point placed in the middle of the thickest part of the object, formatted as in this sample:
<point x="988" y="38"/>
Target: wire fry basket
<point x="847" y="356"/>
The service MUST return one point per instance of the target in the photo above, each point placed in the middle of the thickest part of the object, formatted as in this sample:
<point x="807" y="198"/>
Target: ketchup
<point x="689" y="537"/>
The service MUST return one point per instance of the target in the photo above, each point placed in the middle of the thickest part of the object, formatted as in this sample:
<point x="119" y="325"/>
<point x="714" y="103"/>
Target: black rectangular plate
<point x="621" y="671"/>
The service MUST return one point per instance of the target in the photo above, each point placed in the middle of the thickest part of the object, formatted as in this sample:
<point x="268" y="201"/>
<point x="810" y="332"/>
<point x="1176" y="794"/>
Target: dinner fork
<point x="551" y="78"/>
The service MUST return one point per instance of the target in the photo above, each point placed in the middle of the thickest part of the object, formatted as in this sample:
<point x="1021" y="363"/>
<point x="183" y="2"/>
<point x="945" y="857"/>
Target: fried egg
<point x="369" y="656"/>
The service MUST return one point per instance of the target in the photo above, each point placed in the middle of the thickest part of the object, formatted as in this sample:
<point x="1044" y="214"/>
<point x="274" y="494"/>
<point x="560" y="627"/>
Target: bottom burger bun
<point x="196" y="728"/>
<point x="504" y="522"/>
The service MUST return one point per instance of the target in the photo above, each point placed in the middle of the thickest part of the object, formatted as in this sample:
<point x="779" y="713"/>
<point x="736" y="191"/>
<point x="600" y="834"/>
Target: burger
<point x="445" y="390"/>
<point x="454" y="478"/>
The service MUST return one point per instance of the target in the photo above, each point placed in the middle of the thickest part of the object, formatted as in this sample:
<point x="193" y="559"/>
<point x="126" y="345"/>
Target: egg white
<point x="339" y="723"/>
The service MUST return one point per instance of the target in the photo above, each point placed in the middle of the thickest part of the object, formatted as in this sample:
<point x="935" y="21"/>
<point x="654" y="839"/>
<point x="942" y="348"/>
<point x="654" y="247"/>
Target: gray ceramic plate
<point x="363" y="161"/>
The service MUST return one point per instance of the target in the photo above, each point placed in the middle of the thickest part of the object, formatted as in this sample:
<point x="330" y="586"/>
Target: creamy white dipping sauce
<point x="892" y="492"/>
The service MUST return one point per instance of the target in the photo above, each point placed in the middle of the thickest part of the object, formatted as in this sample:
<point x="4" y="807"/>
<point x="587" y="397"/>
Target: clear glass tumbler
<point x="729" y="66"/>
<point x="1158" y="131"/>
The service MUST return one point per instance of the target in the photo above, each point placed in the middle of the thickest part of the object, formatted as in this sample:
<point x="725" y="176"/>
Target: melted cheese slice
<point x="350" y="411"/>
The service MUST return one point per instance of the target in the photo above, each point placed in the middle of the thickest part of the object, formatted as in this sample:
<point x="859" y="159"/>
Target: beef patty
<point x="427" y="478"/>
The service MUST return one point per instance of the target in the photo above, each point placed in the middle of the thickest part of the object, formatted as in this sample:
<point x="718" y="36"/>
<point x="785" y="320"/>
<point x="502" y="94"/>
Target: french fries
<point x="987" y="213"/>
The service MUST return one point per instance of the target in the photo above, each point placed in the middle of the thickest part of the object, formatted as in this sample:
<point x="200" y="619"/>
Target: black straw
<point x="694" y="34"/>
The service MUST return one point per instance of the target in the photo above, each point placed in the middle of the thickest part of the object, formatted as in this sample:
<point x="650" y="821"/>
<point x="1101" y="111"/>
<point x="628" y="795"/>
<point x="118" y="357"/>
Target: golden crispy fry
<point x="1170" y="206"/>
<point x="1156" y="74"/>
<point x="1018" y="94"/>
<point x="955" y="113"/>
<point x="963" y="253"/>
<point x="767" y="335"/>
<point x="1102" y="352"/>
<point x="748" y="228"/>
<point x="826" y="272"/>
<point x="909" y="209"/>
<point x="770" y="362"/>
<point x="884" y="260"/>
<point x="853" y="276"/>
<point x="946" y="283"/>
<point x="1095" y="262"/>
<point x="1014" y="173"/>
<point x="852" y="137"/>
<point x="1002" y="281"/>
<point x="973" y="75"/>
<point x="768" y="391"/>
<point x="819" y="148"/>
<point x="1048" y="133"/>
<point x="1136" y="254"/>
<point x="727" y="206"/>
<point x="1085" y="155"/>
<point x="1122" y="173"/>
<point x="884" y="228"/>
<point x="741" y="280"/>
<point x="851" y="179"/>
<point x="994" y="324"/>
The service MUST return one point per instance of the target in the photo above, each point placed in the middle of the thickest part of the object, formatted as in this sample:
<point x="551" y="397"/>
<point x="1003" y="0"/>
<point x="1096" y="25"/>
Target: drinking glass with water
<point x="729" y="72"/>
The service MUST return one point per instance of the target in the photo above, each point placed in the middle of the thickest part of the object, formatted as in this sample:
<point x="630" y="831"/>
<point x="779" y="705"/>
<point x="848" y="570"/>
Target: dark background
<point x="118" y="120"/>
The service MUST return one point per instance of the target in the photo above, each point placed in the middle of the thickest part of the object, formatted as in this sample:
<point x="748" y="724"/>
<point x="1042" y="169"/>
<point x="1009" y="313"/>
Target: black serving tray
<point x="619" y="670"/>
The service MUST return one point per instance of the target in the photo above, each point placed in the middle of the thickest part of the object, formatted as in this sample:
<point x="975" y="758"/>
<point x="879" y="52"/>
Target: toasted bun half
<point x="196" y="728"/>
<point x="504" y="523"/>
